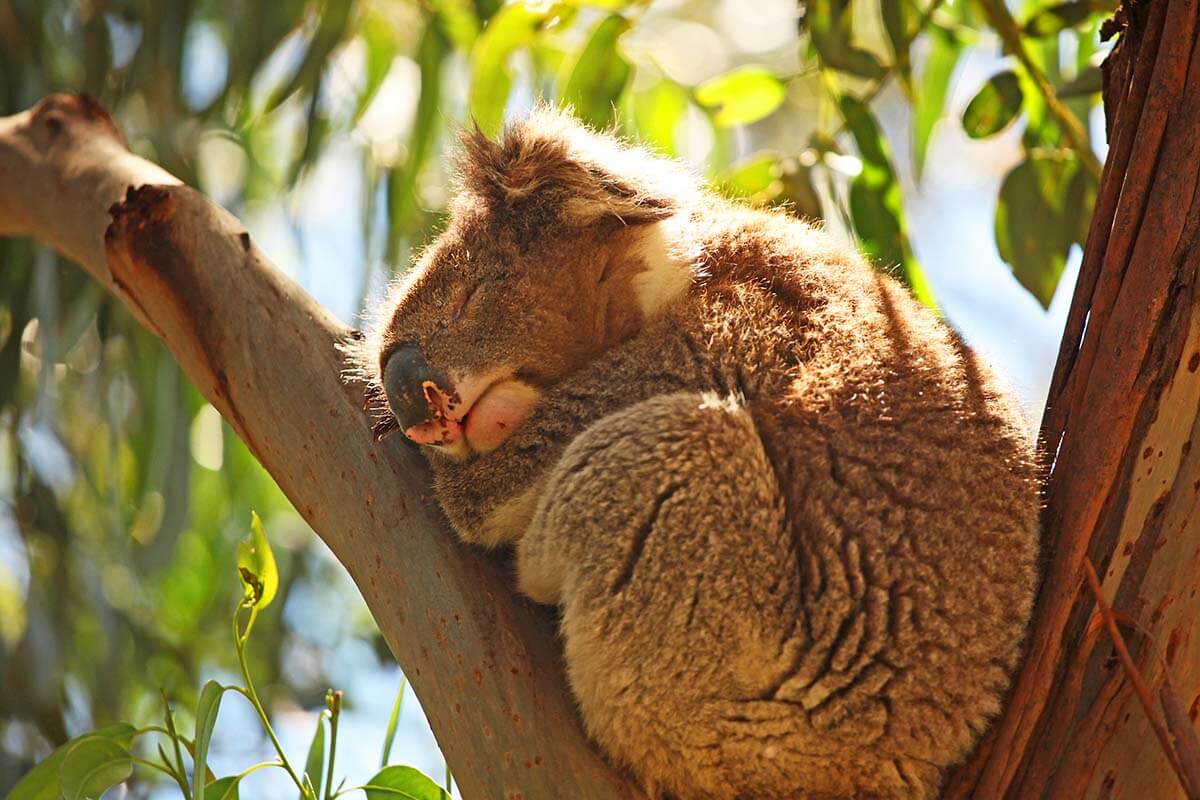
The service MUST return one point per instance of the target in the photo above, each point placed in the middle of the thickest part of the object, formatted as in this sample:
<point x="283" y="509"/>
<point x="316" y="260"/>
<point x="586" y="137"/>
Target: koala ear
<point x="550" y="167"/>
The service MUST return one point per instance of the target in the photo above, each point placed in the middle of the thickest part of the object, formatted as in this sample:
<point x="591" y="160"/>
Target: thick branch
<point x="484" y="663"/>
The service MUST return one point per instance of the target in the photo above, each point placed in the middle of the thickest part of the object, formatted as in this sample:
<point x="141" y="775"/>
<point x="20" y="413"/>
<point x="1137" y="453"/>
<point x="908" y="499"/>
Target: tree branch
<point x="485" y="664"/>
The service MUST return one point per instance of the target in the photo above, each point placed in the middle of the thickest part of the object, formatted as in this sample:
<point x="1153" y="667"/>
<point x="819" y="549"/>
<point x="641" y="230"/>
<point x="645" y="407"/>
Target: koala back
<point x="789" y="516"/>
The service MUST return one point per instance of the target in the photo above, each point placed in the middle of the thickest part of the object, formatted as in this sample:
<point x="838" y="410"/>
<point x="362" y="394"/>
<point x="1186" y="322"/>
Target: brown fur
<point x="789" y="518"/>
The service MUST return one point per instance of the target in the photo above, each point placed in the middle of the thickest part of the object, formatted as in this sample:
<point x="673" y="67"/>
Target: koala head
<point x="561" y="243"/>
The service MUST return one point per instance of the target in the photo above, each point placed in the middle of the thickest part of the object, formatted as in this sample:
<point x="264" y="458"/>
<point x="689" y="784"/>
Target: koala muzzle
<point x="415" y="391"/>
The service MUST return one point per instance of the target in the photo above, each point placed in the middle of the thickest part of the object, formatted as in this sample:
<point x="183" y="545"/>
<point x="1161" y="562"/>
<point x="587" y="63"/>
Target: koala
<point x="789" y="519"/>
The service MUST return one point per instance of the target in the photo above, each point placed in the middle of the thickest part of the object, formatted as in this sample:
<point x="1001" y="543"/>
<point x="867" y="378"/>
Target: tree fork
<point x="484" y="662"/>
<point x="1123" y="479"/>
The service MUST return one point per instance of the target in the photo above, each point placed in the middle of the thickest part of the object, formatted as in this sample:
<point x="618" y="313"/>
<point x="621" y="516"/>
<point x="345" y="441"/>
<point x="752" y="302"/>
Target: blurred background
<point x="958" y="141"/>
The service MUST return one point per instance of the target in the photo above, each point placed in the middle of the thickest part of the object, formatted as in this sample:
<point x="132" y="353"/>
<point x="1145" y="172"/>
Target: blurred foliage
<point x="96" y="761"/>
<point x="121" y="492"/>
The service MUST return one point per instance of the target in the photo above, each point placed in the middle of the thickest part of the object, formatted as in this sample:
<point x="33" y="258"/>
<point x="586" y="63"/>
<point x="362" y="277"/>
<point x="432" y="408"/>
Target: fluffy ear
<point x="550" y="167"/>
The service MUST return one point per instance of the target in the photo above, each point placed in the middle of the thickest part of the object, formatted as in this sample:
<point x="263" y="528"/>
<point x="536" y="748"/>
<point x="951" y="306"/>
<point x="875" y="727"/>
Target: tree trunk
<point x="1122" y="491"/>
<point x="485" y="663"/>
<point x="1123" y="485"/>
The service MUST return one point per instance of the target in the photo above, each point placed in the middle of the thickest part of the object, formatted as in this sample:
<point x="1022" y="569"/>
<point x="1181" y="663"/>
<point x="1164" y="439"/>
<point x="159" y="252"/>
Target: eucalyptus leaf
<point x="512" y="28"/>
<point x="1050" y="21"/>
<point x="929" y="99"/>
<point x="995" y="106"/>
<point x="828" y="26"/>
<point x="206" y="719"/>
<point x="314" y="764"/>
<point x="92" y="766"/>
<point x="403" y="783"/>
<point x="1034" y="227"/>
<point x="742" y="95"/>
<point x="256" y="565"/>
<point x="600" y="73"/>
<point x="657" y="112"/>
<point x="757" y="179"/>
<point x="223" y="789"/>
<point x="876" y="204"/>
<point x="41" y="782"/>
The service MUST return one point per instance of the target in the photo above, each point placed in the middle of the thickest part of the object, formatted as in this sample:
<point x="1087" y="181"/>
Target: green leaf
<point x="656" y="114"/>
<point x="600" y="74"/>
<point x="256" y="565"/>
<point x="403" y="207"/>
<point x="223" y="789"/>
<point x="1049" y="21"/>
<point x="457" y="19"/>
<point x="403" y="783"/>
<point x="742" y="95"/>
<point x="314" y="765"/>
<point x="896" y="15"/>
<point x="512" y="28"/>
<point x="929" y="99"/>
<point x="828" y="25"/>
<point x="876" y="205"/>
<point x="206" y="718"/>
<point x="380" y="45"/>
<point x="41" y="782"/>
<point x="994" y="107"/>
<point x="390" y="735"/>
<point x="1035" y="225"/>
<point x="757" y="179"/>
<point x="92" y="766"/>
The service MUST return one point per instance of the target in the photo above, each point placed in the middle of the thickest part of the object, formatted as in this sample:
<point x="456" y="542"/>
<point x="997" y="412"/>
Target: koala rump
<point x="789" y="518"/>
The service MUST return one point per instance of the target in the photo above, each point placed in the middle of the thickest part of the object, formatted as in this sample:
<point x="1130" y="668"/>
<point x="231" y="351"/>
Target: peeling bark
<point x="484" y="662"/>
<point x="1123" y="477"/>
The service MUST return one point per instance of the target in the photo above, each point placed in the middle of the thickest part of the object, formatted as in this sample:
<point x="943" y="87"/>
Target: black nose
<point x="404" y="377"/>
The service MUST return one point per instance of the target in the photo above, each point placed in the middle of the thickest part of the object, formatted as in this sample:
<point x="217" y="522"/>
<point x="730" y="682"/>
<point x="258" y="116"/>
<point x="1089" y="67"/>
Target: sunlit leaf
<point x="42" y="783"/>
<point x="828" y="26"/>
<point x="92" y="766"/>
<point x="206" y="718"/>
<point x="457" y="18"/>
<point x="222" y="789"/>
<point x="1035" y="228"/>
<point x="600" y="73"/>
<point x="897" y="16"/>
<point x="256" y="565"/>
<point x="756" y="179"/>
<point x="379" y="41"/>
<point x="390" y="734"/>
<point x="332" y="28"/>
<point x="512" y="28"/>
<point x="314" y="764"/>
<point x="1055" y="18"/>
<point x="876" y="205"/>
<point x="403" y="207"/>
<point x="657" y="112"/>
<point x="929" y="98"/>
<point x="743" y="95"/>
<point x="995" y="106"/>
<point x="403" y="783"/>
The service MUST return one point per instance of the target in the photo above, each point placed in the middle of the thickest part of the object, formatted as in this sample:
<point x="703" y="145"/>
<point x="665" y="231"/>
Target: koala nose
<point x="405" y="378"/>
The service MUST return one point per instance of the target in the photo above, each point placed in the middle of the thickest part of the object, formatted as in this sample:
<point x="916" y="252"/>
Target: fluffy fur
<point x="789" y="518"/>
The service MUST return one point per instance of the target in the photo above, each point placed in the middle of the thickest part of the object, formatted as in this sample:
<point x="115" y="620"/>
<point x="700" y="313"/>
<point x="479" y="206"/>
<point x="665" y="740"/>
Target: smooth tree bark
<point x="1123" y="479"/>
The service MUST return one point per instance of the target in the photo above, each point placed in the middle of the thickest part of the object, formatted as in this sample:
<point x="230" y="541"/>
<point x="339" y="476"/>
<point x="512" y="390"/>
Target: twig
<point x="1131" y="671"/>
<point x="1010" y="33"/>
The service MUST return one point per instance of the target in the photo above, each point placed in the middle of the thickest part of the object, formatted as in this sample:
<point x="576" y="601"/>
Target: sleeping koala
<point x="790" y="520"/>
